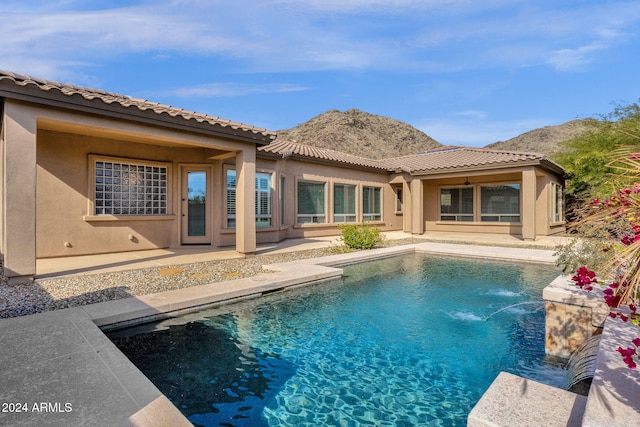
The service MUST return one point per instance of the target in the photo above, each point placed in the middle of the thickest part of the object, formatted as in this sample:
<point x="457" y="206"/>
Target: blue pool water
<point x="403" y="341"/>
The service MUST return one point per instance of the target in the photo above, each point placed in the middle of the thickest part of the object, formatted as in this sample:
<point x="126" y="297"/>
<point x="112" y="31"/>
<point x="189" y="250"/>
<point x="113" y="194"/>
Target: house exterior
<point x="85" y="171"/>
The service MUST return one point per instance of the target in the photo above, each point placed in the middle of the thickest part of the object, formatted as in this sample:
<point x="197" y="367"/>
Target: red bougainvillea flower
<point x="627" y="356"/>
<point x="584" y="278"/>
<point x="628" y="240"/>
<point x="612" y="300"/>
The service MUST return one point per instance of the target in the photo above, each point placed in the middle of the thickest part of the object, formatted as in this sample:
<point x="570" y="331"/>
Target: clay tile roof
<point x="72" y="94"/>
<point x="429" y="162"/>
<point x="460" y="158"/>
<point x="287" y="149"/>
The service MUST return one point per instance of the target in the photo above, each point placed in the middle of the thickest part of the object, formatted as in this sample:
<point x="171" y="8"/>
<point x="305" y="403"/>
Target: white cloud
<point x="311" y="35"/>
<point x="571" y="59"/>
<point x="214" y="90"/>
<point x="531" y="34"/>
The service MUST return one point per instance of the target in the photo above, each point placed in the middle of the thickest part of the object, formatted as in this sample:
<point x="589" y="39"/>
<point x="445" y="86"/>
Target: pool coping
<point x="63" y="357"/>
<point x="126" y="312"/>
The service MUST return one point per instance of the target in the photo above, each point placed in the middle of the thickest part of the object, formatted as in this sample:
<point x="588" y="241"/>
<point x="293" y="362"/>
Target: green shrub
<point x="360" y="237"/>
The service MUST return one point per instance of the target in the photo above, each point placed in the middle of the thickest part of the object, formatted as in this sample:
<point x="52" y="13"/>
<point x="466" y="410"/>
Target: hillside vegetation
<point x="547" y="140"/>
<point x="378" y="137"/>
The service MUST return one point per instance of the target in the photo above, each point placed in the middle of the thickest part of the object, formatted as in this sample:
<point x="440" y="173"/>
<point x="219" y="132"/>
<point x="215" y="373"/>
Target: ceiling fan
<point x="466" y="181"/>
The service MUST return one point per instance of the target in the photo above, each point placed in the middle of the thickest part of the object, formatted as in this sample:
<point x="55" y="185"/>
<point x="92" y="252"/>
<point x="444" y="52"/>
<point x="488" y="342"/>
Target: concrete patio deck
<point x="61" y="370"/>
<point x="94" y="264"/>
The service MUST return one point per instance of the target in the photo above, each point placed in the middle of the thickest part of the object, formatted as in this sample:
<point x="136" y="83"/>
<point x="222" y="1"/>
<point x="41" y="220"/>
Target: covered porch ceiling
<point x="115" y="130"/>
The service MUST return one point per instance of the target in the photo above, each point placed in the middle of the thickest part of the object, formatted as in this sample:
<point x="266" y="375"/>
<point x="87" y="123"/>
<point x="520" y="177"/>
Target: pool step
<point x="515" y="401"/>
<point x="612" y="400"/>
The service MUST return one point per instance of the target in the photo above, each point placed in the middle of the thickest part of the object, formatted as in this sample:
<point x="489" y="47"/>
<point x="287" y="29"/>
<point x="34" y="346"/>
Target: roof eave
<point x="553" y="166"/>
<point x="500" y="166"/>
<point x="308" y="159"/>
<point x="80" y="104"/>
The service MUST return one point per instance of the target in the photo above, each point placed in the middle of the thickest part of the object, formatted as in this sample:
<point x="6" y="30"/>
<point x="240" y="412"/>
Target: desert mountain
<point x="546" y="140"/>
<point x="359" y="133"/>
<point x="377" y="137"/>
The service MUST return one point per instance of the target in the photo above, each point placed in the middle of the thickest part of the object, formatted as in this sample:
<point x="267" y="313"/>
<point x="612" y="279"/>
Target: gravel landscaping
<point x="71" y="291"/>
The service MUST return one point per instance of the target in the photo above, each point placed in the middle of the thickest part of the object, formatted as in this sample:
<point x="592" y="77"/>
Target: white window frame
<point x="311" y="218"/>
<point x="230" y="217"/>
<point x="399" y="193"/>
<point x="283" y="199"/>
<point x="457" y="216"/>
<point x="502" y="217"/>
<point x="264" y="213"/>
<point x="264" y="207"/>
<point x="372" y="216"/>
<point x="345" y="217"/>
<point x="557" y="203"/>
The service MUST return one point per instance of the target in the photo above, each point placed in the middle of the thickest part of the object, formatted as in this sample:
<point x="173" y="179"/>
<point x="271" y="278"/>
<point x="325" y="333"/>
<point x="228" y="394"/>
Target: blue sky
<point x="466" y="72"/>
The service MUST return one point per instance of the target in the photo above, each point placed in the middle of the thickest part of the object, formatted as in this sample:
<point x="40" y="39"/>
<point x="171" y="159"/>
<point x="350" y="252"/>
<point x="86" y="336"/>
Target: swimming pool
<point x="408" y="340"/>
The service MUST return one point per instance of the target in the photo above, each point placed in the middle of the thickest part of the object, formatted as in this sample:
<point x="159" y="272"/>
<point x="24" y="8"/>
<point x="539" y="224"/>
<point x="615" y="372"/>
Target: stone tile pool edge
<point x="62" y="363"/>
<point x="129" y="311"/>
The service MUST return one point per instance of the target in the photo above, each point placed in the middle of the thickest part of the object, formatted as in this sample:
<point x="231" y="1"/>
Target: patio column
<point x="529" y="196"/>
<point x="417" y="208"/>
<point x="18" y="192"/>
<point x="245" y="201"/>
<point x="408" y="203"/>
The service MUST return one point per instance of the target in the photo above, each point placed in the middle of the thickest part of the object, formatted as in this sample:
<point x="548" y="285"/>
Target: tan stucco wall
<point x="64" y="189"/>
<point x="46" y="192"/>
<point x="18" y="183"/>
<point x="546" y="224"/>
<point x="66" y="227"/>
<point x="432" y="205"/>
<point x="535" y="208"/>
<point x="294" y="170"/>
<point x="55" y="170"/>
<point x="64" y="185"/>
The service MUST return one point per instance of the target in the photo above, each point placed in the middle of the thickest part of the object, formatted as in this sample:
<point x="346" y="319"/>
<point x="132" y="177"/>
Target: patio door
<point x="196" y="205"/>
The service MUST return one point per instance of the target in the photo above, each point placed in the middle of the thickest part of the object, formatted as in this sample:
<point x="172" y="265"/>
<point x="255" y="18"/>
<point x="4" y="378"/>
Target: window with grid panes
<point x="231" y="198"/>
<point x="263" y="199"/>
<point x="130" y="188"/>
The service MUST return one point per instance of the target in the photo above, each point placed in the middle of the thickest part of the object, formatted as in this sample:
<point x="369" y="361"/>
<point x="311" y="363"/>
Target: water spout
<point x="484" y="319"/>
<point x="581" y="366"/>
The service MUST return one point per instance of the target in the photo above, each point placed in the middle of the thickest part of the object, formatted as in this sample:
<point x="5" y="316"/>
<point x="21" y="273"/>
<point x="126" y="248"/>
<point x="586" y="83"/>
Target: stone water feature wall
<point x="572" y="316"/>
